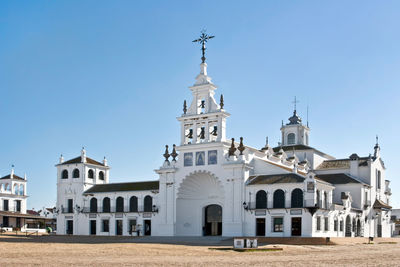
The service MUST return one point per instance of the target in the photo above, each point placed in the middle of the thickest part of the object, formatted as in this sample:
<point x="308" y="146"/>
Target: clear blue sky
<point x="112" y="76"/>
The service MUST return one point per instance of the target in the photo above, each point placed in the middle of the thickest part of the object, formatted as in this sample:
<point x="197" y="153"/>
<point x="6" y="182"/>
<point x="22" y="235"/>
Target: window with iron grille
<point x="278" y="224"/>
<point x="326" y="221"/>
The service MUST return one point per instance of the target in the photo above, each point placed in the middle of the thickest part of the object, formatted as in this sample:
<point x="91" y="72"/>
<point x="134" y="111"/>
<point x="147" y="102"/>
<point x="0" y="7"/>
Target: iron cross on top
<point x="203" y="40"/>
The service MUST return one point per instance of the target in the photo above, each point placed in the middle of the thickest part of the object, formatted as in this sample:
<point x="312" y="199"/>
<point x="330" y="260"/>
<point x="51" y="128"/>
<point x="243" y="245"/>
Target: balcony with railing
<point x="323" y="205"/>
<point x="114" y="209"/>
<point x="67" y="210"/>
<point x="307" y="203"/>
<point x="264" y="206"/>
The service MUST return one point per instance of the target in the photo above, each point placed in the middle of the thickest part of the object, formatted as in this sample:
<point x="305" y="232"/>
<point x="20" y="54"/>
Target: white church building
<point x="211" y="185"/>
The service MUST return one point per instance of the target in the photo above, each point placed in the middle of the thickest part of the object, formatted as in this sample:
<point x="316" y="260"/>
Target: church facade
<point x="211" y="185"/>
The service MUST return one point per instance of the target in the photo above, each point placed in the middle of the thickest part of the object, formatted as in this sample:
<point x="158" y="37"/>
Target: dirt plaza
<point x="111" y="251"/>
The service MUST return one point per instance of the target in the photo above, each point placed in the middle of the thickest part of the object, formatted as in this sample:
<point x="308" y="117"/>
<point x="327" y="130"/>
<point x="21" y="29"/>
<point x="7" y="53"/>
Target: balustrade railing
<point x="114" y="209"/>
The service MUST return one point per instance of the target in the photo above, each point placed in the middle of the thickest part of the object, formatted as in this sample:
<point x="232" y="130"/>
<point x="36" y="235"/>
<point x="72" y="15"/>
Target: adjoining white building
<point x="13" y="211"/>
<point x="209" y="185"/>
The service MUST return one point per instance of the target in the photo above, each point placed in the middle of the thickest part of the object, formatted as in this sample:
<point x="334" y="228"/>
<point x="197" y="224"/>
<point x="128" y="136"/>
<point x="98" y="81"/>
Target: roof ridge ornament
<point x="184" y="107"/>
<point x="166" y="154"/>
<point x="174" y="154"/>
<point x="241" y="147"/>
<point x="232" y="149"/>
<point x="204" y="37"/>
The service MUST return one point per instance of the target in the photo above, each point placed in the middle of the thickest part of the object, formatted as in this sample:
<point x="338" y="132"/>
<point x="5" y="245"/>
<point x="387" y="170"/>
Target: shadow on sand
<point x="66" y="239"/>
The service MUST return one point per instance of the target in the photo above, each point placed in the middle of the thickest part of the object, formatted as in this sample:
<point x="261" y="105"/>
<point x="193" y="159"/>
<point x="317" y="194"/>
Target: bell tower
<point x="205" y="120"/>
<point x="294" y="132"/>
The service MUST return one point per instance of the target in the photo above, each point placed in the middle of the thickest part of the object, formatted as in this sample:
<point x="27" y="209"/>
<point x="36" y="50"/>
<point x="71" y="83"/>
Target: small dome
<point x="295" y="119"/>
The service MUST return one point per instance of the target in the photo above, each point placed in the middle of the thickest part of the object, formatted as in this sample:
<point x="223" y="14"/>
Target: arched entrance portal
<point x="199" y="203"/>
<point x="213" y="220"/>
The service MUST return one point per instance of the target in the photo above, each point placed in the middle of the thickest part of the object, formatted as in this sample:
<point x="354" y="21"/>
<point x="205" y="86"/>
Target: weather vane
<point x="203" y="40"/>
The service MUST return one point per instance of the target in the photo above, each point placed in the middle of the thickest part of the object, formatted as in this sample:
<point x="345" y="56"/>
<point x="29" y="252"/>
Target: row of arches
<point x="76" y="174"/>
<point x="119" y="204"/>
<point x="297" y="199"/>
<point x="18" y="189"/>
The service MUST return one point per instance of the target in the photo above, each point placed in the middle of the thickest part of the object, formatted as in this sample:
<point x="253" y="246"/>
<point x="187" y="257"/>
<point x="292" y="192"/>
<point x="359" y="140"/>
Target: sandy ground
<point x="37" y="251"/>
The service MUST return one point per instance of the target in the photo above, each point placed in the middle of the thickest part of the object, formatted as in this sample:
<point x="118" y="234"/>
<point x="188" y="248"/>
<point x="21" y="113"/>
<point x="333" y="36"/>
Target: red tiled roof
<point x="381" y="205"/>
<point x="79" y="160"/>
<point x="14" y="177"/>
<point x="32" y="212"/>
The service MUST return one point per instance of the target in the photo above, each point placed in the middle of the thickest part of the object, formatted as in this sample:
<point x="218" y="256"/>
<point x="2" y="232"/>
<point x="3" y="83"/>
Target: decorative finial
<point x="12" y="171"/>
<point x="307" y="118"/>
<point x="241" y="147"/>
<point x="83" y="155"/>
<point x="266" y="144"/>
<point x="184" y="107"/>
<point x="282" y="123"/>
<point x="61" y="158"/>
<point x="105" y="163"/>
<point x="221" y="102"/>
<point x="203" y="40"/>
<point x="174" y="154"/>
<point x="377" y="140"/>
<point x="232" y="149"/>
<point x="166" y="154"/>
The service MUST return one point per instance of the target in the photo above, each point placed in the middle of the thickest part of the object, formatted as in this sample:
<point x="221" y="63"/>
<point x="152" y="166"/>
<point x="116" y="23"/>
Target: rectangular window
<point x="326" y="221"/>
<point x="200" y="158"/>
<point x="70" y="206"/>
<point x="318" y="223"/>
<point x="278" y="224"/>
<point x="5" y="205"/>
<point x="132" y="226"/>
<point x="212" y="157"/>
<point x="335" y="224"/>
<point x="188" y="159"/>
<point x="341" y="226"/>
<point x="106" y="226"/>
<point x="18" y="205"/>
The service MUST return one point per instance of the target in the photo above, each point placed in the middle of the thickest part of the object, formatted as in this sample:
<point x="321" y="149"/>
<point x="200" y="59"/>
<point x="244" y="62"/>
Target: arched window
<point x="91" y="174"/>
<point x="326" y="200"/>
<point x="106" y="204"/>
<point x="279" y="199"/>
<point x="75" y="173"/>
<point x="261" y="200"/>
<point x="93" y="205"/>
<point x="291" y="139"/>
<point x="101" y="175"/>
<point x="148" y="203"/>
<point x="319" y="204"/>
<point x="307" y="139"/>
<point x="297" y="198"/>
<point x="8" y="187"/>
<point x="1" y="187"/>
<point x="133" y="204"/>
<point x="21" y="190"/>
<point x="120" y="204"/>
<point x="64" y="174"/>
<point x="16" y="189"/>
